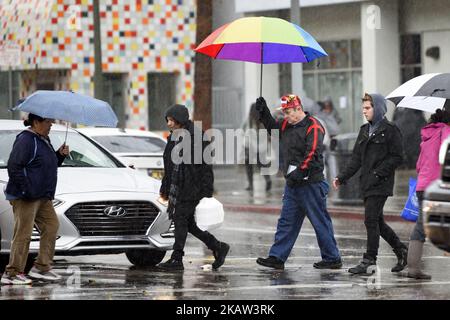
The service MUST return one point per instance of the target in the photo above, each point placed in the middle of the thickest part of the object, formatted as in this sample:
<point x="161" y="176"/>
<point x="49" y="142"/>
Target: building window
<point x="161" y="95"/>
<point x="410" y="56"/>
<point x="114" y="86"/>
<point x="338" y="76"/>
<point x="6" y="91"/>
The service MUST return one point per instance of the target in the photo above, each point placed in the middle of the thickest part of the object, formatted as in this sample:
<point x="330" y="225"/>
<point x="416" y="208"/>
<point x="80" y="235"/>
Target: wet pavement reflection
<point x="250" y="236"/>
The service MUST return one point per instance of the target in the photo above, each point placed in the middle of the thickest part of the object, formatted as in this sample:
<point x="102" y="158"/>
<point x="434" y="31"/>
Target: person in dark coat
<point x="306" y="190"/>
<point x="378" y="152"/>
<point x="184" y="184"/>
<point x="257" y="148"/>
<point x="32" y="170"/>
<point x="410" y="122"/>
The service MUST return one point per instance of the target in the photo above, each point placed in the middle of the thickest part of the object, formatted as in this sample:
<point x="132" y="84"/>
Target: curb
<point x="339" y="212"/>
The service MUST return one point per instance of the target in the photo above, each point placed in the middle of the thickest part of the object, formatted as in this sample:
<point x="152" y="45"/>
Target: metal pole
<point x="10" y="94"/>
<point x="296" y="68"/>
<point x="98" y="74"/>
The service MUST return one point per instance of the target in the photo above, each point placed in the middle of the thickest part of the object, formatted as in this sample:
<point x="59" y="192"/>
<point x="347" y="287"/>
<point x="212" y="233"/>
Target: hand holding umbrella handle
<point x="260" y="104"/>
<point x="64" y="150"/>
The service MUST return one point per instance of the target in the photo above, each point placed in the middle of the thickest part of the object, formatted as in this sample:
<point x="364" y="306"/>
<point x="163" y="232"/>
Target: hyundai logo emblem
<point x="114" y="211"/>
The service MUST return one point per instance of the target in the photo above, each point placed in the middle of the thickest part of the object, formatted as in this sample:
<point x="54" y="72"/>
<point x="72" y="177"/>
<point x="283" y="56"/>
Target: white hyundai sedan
<point x="102" y="205"/>
<point x="141" y="150"/>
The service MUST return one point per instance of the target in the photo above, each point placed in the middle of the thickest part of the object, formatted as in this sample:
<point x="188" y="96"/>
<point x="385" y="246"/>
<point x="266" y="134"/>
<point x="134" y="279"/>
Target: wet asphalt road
<point x="250" y="236"/>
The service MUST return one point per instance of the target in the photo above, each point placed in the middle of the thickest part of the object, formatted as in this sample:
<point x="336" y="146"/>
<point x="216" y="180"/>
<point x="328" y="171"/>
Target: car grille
<point x="443" y="219"/>
<point x="90" y="219"/>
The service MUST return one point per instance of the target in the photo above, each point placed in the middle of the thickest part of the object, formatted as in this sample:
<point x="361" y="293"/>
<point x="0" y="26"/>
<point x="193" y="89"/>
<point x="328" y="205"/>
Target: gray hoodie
<point x="379" y="110"/>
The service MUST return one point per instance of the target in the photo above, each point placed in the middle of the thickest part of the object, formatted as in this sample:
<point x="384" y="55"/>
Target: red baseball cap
<point x="290" y="101"/>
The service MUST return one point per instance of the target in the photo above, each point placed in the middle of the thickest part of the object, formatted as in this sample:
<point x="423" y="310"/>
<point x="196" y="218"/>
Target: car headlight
<point x="57" y="203"/>
<point x="156" y="173"/>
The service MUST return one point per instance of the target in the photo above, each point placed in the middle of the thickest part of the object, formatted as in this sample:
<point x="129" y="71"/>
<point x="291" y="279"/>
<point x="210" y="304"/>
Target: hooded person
<point x="377" y="152"/>
<point x="184" y="184"/>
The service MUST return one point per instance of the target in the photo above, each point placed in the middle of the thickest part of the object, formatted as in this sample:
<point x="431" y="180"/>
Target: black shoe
<point x="219" y="254"/>
<point x="271" y="262"/>
<point x="336" y="264"/>
<point x="249" y="188"/>
<point x="402" y="256"/>
<point x="362" y="267"/>
<point x="171" y="265"/>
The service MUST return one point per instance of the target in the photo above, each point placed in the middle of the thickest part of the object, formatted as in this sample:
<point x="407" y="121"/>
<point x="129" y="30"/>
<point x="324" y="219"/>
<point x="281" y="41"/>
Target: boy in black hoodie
<point x="377" y="152"/>
<point x="184" y="185"/>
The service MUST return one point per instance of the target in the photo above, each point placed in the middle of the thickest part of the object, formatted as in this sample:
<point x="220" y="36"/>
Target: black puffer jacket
<point x="301" y="146"/>
<point x="378" y="156"/>
<point x="198" y="179"/>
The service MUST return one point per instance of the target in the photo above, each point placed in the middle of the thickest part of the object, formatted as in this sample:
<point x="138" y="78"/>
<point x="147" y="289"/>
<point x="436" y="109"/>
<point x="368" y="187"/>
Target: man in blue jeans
<point x="306" y="189"/>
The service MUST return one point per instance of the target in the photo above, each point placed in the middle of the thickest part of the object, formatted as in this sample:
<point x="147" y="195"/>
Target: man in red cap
<point x="306" y="189"/>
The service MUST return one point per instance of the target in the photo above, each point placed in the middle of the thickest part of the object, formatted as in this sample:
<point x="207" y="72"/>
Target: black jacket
<point x="301" y="145"/>
<point x="378" y="157"/>
<point x="32" y="167"/>
<point x="198" y="179"/>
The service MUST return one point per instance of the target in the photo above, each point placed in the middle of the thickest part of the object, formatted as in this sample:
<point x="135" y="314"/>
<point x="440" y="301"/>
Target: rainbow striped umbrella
<point x="261" y="40"/>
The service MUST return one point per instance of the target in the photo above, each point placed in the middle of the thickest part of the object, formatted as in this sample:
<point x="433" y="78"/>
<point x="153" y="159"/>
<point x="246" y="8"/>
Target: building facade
<point x="147" y="53"/>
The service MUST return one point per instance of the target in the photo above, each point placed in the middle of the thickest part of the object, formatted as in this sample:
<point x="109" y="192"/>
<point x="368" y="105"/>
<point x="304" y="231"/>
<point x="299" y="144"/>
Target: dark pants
<point x="376" y="227"/>
<point x="185" y="222"/>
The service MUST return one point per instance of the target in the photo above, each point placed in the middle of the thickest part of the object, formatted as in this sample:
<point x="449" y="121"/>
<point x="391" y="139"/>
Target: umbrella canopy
<point x="261" y="40"/>
<point x="69" y="106"/>
<point x="427" y="92"/>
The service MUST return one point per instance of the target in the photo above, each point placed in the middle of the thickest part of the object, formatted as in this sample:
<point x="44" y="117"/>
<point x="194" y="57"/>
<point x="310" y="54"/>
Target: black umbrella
<point x="427" y="92"/>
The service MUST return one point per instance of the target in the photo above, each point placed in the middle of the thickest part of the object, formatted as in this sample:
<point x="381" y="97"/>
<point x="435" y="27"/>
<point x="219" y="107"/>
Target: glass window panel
<point x="138" y="144"/>
<point x="4" y="94"/>
<point x="338" y="55"/>
<point x="410" y="72"/>
<point x="356" y="100"/>
<point x="337" y="86"/>
<point x="410" y="49"/>
<point x="356" y="53"/>
<point x="309" y="86"/>
<point x="161" y="95"/>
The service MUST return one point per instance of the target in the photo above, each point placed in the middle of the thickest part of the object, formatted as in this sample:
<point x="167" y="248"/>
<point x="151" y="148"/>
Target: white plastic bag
<point x="209" y="214"/>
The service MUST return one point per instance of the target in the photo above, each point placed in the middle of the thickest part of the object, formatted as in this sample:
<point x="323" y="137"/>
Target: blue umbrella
<point x="70" y="107"/>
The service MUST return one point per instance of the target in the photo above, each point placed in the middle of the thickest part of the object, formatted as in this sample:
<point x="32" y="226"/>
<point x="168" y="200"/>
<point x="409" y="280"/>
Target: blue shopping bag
<point x="411" y="210"/>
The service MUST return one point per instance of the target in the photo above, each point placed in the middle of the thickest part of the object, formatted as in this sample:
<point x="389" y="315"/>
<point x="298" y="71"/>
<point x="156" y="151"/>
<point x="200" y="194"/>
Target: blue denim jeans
<point x="298" y="202"/>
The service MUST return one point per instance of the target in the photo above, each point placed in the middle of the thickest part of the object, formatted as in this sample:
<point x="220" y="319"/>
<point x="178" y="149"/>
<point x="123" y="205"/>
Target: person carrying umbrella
<point x="32" y="170"/>
<point x="184" y="184"/>
<point x="377" y="152"/>
<point x="306" y="189"/>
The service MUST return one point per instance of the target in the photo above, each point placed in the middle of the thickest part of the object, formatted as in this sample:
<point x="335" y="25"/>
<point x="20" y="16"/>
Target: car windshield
<point x="83" y="153"/>
<point x="134" y="144"/>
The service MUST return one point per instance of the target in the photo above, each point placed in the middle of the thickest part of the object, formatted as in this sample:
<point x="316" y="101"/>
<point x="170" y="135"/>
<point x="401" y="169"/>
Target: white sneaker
<point x="44" y="275"/>
<point x="19" y="279"/>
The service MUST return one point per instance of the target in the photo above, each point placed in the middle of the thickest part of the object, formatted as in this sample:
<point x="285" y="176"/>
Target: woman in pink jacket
<point x="428" y="170"/>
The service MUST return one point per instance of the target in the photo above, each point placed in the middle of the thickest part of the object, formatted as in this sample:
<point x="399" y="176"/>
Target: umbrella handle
<point x="67" y="129"/>
<point x="261" y="78"/>
<point x="261" y="81"/>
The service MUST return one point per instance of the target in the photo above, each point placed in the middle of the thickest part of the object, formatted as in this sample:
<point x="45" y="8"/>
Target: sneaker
<point x="271" y="262"/>
<point x="18" y="279"/>
<point x="362" y="267"/>
<point x="336" y="264"/>
<point x="48" y="275"/>
<point x="171" y="265"/>
<point x="220" y="255"/>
